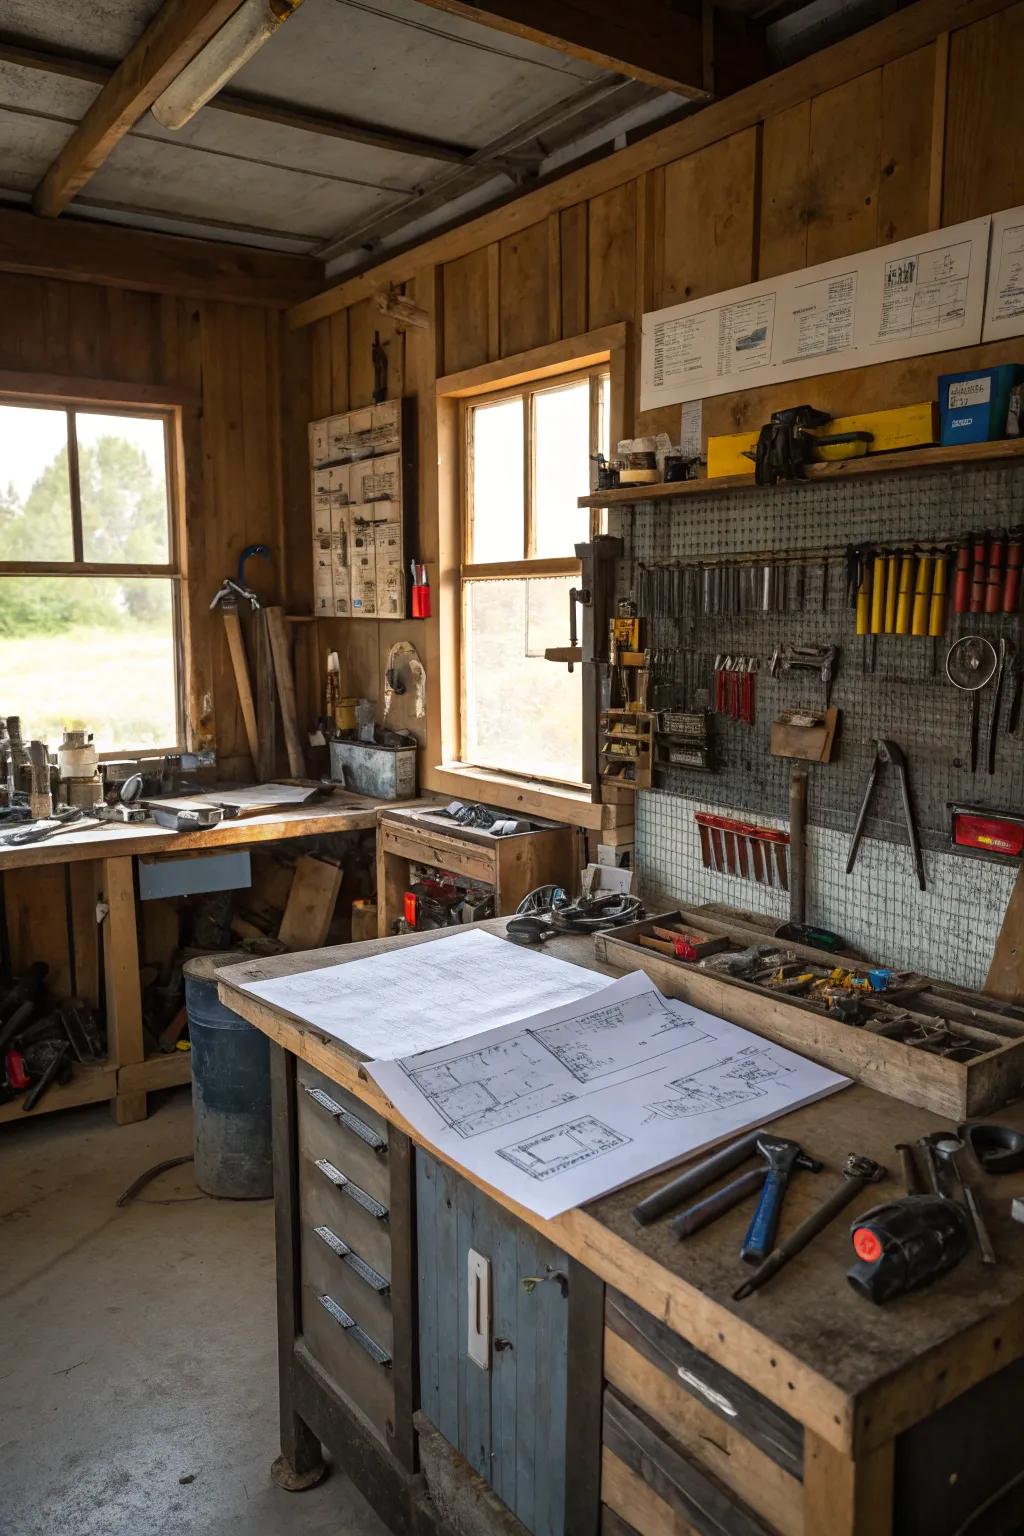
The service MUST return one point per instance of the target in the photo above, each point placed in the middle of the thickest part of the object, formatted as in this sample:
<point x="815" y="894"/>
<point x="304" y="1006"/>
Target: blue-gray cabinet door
<point x="509" y="1421"/>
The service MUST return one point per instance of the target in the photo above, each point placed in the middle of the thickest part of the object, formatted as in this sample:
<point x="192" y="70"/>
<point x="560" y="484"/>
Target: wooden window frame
<point x="113" y="398"/>
<point x="607" y="350"/>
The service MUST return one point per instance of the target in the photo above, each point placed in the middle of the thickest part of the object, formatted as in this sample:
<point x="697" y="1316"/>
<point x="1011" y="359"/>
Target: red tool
<point x="962" y="587"/>
<point x="975" y="826"/>
<point x="994" y="588"/>
<point x="1011" y="583"/>
<point x="420" y="590"/>
<point x="979" y="573"/>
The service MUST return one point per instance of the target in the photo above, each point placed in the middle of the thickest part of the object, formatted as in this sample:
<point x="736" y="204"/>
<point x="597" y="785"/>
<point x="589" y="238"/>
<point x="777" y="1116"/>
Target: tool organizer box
<point x="959" y="1089"/>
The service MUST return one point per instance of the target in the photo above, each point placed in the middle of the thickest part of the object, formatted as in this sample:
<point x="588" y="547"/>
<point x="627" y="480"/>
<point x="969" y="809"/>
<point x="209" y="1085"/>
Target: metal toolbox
<point x="369" y="768"/>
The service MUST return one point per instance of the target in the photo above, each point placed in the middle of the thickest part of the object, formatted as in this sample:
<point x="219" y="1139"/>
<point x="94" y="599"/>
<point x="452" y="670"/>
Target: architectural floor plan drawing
<point x="493" y="1086"/>
<point x="563" y="1147"/>
<point x="563" y="1106"/>
<point x="736" y="1079"/>
<point x="607" y="1040"/>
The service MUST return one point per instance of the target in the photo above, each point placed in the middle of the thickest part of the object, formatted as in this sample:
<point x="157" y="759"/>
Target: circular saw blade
<point x="971" y="662"/>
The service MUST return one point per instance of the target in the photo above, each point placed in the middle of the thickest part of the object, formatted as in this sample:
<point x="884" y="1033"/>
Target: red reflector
<point x="866" y="1245"/>
<point x="410" y="908"/>
<point x="988" y="832"/>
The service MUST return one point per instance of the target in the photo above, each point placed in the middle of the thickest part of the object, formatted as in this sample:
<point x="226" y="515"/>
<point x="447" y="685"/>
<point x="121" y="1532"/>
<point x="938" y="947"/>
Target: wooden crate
<point x="958" y="1089"/>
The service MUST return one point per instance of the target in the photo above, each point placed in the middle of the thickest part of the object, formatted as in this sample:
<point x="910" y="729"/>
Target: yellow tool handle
<point x="892" y="581"/>
<point x="864" y="598"/>
<point x="877" y="595"/>
<point x="937" y="611"/>
<point x="922" y="589"/>
<point x="903" y="599"/>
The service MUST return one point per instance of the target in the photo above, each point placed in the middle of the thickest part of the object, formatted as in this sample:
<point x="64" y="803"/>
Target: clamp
<point x="889" y="752"/>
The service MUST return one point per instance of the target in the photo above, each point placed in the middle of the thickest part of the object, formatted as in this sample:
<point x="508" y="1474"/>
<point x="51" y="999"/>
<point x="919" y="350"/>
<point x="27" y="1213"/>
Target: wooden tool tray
<point x="876" y="1052"/>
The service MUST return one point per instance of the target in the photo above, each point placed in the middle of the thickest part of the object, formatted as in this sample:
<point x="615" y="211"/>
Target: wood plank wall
<point x="919" y="142"/>
<point x="229" y="358"/>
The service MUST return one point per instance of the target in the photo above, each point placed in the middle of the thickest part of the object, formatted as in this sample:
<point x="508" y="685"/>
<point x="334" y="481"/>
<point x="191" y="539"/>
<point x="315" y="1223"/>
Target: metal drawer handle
<point x="353" y="1191"/>
<point x="352" y="1328"/>
<point x="350" y="1121"/>
<point x="373" y="1278"/>
<point x="716" y="1399"/>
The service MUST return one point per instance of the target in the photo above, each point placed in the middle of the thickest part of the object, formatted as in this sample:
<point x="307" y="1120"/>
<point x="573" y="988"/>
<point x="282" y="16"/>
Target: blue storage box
<point x="973" y="406"/>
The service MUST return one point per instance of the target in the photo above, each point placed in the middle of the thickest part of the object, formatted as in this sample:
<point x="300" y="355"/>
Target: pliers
<point x="889" y="752"/>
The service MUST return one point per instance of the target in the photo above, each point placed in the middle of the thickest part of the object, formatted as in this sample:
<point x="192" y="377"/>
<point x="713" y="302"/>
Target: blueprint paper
<point x="558" y="1109"/>
<point x="425" y="995"/>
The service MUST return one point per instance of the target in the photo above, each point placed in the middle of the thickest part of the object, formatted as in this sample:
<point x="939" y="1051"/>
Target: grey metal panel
<point x="80" y="26"/>
<point x="185" y="877"/>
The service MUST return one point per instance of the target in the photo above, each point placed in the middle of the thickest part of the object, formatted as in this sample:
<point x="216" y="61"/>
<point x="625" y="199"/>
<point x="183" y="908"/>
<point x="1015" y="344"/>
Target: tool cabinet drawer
<point x="670" y="1399"/>
<point x="353" y="1129"/>
<point x="331" y="1195"/>
<point x="349" y="1332"/>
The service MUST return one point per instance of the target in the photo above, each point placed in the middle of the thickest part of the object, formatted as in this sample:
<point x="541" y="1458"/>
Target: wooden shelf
<point x="89" y="1085"/>
<point x="168" y="1070"/>
<point x="873" y="464"/>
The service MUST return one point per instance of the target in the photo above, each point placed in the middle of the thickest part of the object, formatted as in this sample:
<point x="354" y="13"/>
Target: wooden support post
<point x="285" y="690"/>
<point x="300" y="1464"/>
<point x="844" y="1497"/>
<point x="122" y="986"/>
<point x="1005" y="978"/>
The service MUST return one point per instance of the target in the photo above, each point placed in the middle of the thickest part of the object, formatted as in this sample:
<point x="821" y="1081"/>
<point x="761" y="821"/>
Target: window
<point x="527" y="458"/>
<point x="88" y="560"/>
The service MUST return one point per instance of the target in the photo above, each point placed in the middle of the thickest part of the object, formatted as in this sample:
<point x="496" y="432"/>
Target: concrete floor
<point x="138" y="1378"/>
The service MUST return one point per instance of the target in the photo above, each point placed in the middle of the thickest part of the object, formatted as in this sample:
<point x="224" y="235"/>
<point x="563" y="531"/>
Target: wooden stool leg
<point x="844" y="1497"/>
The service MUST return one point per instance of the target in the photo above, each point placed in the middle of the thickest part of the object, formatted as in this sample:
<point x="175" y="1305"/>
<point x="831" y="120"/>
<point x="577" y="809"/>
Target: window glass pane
<point x="522" y="713"/>
<point x="95" y="653"/>
<point x="35" y="496"/>
<point x="497" y="520"/>
<point x="561" y="468"/>
<point x="123" y="476"/>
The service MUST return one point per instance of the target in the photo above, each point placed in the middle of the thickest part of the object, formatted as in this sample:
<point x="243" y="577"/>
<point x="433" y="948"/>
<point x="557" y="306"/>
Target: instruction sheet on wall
<point x="1004" y="302"/>
<point x="568" y="1104"/>
<point x="920" y="295"/>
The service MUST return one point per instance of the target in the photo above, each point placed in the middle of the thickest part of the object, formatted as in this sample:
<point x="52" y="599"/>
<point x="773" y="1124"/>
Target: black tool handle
<point x="705" y="1211"/>
<point x="696" y="1178"/>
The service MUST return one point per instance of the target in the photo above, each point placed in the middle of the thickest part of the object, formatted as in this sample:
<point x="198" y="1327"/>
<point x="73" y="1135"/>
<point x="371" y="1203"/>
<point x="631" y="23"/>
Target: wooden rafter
<point x="648" y="40"/>
<point x="173" y="38"/>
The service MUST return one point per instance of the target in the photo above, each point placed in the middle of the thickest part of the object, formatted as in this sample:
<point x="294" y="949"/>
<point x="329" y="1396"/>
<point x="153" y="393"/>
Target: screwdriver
<point x="962" y="588"/>
<point x="919" y="622"/>
<point x="994" y="584"/>
<point x="892" y="581"/>
<point x="877" y="594"/>
<point x="937" y="610"/>
<point x="903" y="598"/>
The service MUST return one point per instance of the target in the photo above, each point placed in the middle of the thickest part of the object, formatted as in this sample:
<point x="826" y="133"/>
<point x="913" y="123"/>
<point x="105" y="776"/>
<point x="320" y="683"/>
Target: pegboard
<point x="906" y="699"/>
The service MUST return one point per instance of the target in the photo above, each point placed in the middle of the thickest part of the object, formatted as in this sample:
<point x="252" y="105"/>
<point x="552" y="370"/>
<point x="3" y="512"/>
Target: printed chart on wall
<point x="561" y="1107"/>
<point x="1004" y="303"/>
<point x="921" y="295"/>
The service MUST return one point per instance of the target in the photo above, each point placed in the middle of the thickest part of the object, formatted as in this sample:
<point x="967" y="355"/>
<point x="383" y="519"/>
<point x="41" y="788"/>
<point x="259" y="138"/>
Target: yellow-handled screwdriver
<point x="937" y="609"/>
<point x="922" y="595"/>
<point x="903" y="597"/>
<point x="877" y="595"/>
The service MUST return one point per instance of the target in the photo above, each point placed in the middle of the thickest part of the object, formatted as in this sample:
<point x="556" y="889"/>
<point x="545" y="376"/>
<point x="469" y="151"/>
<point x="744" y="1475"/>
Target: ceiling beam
<point x="82" y="252"/>
<point x="180" y="29"/>
<point x="324" y="124"/>
<point x="648" y="40"/>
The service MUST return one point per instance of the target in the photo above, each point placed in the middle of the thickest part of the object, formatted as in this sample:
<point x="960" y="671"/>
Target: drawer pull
<point x="366" y="1272"/>
<point x="350" y="1121"/>
<point x="339" y="1180"/>
<point x="352" y="1328"/>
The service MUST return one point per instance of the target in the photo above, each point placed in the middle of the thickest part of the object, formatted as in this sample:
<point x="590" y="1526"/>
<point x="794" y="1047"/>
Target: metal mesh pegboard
<point x="906" y="696"/>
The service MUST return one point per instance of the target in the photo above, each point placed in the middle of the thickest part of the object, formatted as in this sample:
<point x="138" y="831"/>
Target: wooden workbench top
<point x="340" y="812"/>
<point x="855" y="1374"/>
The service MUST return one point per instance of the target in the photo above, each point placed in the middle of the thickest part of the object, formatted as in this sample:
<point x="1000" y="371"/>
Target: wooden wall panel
<point x="984" y="163"/>
<point x="465" y="315"/>
<point x="611" y="258"/>
<point x="843" y="169"/>
<point x="908" y="87"/>
<point x="574" y="259"/>
<point x="785" y="203"/>
<point x="524" y="320"/>
<point x="709" y="228"/>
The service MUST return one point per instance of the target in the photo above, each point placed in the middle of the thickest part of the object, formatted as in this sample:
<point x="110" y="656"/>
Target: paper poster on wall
<point x="921" y="295"/>
<point x="926" y="294"/>
<point x="1004" y="302"/>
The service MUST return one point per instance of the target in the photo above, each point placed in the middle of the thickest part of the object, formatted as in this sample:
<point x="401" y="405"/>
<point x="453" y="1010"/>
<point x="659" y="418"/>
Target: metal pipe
<point x="798" y="844"/>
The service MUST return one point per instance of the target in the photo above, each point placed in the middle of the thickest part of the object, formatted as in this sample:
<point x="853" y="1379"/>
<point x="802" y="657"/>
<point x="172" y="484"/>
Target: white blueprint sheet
<point x="424" y="995"/>
<point x="564" y="1106"/>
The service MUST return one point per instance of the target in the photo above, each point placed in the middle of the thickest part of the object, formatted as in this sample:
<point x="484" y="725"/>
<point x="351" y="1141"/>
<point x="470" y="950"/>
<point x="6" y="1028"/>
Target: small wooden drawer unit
<point x="345" y="1244"/>
<point x="686" y="1445"/>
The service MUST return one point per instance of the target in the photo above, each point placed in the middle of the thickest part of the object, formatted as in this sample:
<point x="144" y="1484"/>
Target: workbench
<point x="100" y="859"/>
<point x="803" y="1410"/>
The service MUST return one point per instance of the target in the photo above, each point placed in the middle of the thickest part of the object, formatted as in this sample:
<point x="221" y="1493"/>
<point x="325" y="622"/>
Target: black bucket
<point x="230" y="1089"/>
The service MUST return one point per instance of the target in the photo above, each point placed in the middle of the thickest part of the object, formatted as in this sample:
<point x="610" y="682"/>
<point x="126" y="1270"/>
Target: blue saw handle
<point x="760" y="1238"/>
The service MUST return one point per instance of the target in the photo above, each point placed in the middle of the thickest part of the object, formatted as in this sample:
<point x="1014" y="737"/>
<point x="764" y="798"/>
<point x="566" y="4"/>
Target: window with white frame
<point x="89" y="628"/>
<point x="527" y="454"/>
